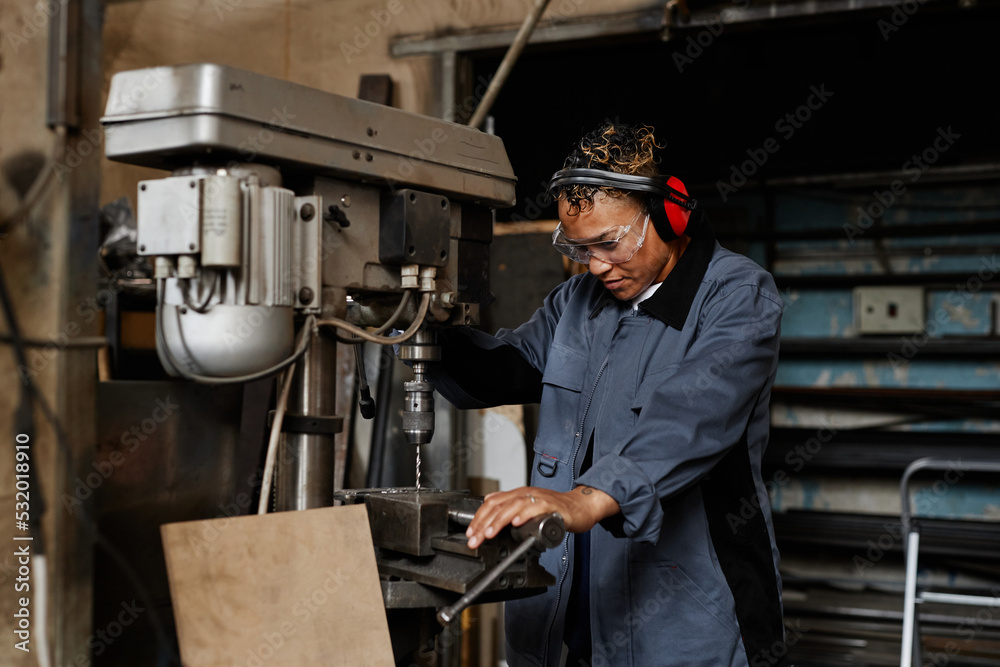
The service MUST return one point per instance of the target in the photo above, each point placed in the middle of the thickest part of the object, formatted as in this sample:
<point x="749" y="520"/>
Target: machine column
<point x="305" y="466"/>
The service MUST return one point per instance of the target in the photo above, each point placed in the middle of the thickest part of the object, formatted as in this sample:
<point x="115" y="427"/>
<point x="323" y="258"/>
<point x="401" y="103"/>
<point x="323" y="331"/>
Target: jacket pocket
<point x="650" y="382"/>
<point x="562" y="383"/>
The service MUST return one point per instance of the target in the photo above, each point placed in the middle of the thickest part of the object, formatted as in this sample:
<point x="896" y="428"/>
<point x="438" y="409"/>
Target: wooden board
<point x="290" y="588"/>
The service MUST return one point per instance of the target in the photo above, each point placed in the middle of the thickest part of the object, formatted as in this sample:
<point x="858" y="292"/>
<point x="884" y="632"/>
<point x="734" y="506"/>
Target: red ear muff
<point x="668" y="202"/>
<point x="670" y="213"/>
<point x="677" y="215"/>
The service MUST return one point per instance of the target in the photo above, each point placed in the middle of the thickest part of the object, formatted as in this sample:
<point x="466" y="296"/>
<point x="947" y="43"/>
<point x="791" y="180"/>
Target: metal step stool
<point x="911" y="598"/>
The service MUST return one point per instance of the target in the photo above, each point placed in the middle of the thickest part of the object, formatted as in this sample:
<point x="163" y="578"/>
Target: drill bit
<point x="418" y="468"/>
<point x="418" y="413"/>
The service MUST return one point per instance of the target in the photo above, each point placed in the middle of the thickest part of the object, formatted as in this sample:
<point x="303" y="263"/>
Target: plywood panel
<point x="291" y="588"/>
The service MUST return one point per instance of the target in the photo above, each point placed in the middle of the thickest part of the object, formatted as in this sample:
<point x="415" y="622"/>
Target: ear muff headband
<point x="669" y="204"/>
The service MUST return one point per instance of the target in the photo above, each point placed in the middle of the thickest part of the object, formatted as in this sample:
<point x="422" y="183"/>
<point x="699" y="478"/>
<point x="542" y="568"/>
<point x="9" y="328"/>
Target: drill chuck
<point x="418" y="413"/>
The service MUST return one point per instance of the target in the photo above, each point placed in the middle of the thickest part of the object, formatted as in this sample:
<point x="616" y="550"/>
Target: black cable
<point x="32" y="396"/>
<point x="24" y="422"/>
<point x="204" y="307"/>
<point x="81" y="342"/>
<point x="365" y="402"/>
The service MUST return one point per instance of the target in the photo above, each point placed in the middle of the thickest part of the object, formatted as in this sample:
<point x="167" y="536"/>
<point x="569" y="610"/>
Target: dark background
<point x="939" y="69"/>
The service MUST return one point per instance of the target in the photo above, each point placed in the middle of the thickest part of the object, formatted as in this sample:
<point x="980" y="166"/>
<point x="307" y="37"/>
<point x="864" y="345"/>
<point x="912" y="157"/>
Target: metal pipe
<point x="520" y="40"/>
<point x="909" y="600"/>
<point x="461" y="517"/>
<point x="936" y="464"/>
<point x="64" y="65"/>
<point x="955" y="598"/>
<point x="306" y="464"/>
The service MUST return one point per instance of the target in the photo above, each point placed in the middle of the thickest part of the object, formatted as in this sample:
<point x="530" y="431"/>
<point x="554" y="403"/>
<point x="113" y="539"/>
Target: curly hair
<point x="612" y="146"/>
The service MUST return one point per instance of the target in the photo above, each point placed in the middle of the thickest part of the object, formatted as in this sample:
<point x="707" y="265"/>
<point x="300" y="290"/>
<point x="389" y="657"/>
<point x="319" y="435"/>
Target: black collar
<point x="671" y="303"/>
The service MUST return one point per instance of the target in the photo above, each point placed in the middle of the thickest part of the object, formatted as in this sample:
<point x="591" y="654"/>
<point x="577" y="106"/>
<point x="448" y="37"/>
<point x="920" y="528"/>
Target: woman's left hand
<point x="580" y="509"/>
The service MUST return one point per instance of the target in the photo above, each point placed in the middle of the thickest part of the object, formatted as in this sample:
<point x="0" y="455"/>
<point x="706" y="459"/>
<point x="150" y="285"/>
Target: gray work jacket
<point x="674" y="400"/>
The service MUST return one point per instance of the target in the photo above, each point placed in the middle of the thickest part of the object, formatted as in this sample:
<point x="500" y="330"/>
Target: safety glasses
<point x="614" y="245"/>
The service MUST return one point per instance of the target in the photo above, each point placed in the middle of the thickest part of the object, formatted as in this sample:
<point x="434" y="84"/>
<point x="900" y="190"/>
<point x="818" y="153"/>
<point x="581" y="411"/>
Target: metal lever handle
<point x="365" y="401"/>
<point x="542" y="532"/>
<point x="447" y="614"/>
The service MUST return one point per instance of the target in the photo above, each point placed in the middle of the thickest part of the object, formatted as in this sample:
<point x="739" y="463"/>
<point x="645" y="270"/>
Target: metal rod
<point x="955" y="598"/>
<point x="936" y="464"/>
<point x="909" y="600"/>
<point x="64" y="65"/>
<point x="507" y="63"/>
<point x="448" y="614"/>
<point x="461" y="517"/>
